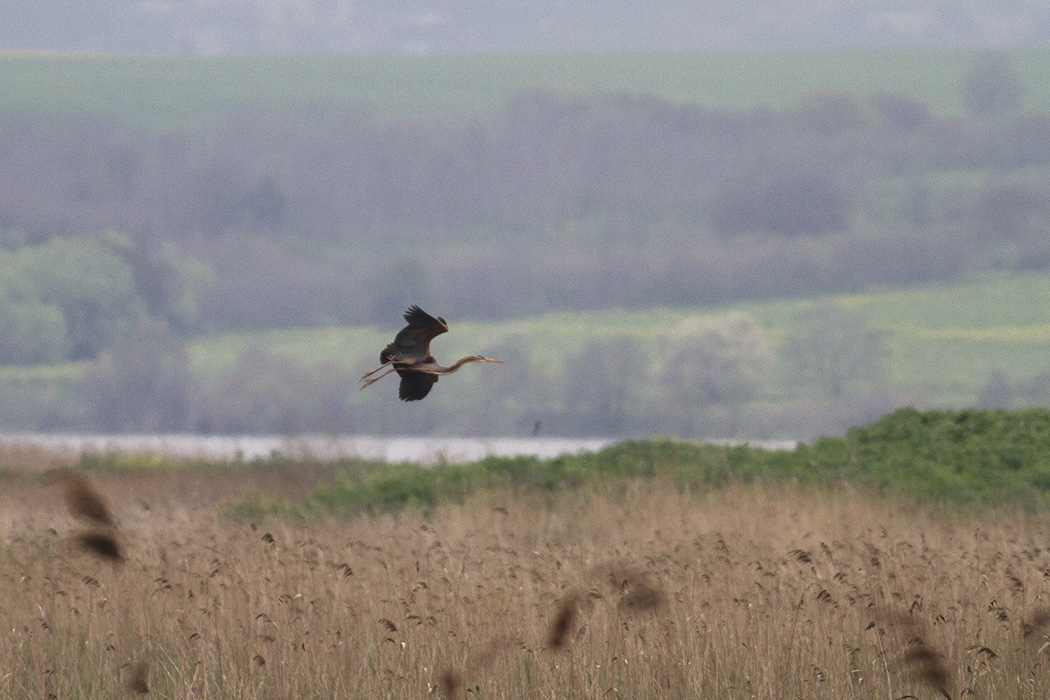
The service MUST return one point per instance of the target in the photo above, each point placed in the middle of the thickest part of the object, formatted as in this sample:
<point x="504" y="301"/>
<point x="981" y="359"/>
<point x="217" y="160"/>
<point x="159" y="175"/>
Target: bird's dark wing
<point x="422" y="327"/>
<point x="413" y="341"/>
<point x="415" y="385"/>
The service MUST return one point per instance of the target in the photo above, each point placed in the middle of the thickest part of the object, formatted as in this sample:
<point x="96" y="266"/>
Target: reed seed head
<point x="137" y="681"/>
<point x="564" y="621"/>
<point x="84" y="502"/>
<point x="102" y="544"/>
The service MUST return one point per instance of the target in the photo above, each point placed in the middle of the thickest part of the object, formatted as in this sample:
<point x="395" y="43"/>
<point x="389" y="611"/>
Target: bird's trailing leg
<point x="368" y="374"/>
<point x="375" y="379"/>
<point x="403" y="362"/>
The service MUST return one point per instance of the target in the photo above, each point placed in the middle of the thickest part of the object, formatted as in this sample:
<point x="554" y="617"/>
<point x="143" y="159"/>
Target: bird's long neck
<point x="457" y="364"/>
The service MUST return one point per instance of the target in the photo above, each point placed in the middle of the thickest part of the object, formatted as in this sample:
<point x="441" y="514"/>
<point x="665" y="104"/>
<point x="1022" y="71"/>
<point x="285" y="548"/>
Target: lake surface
<point x="427" y="450"/>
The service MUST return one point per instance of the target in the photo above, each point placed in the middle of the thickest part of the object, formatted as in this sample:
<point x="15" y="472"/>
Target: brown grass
<point x="637" y="592"/>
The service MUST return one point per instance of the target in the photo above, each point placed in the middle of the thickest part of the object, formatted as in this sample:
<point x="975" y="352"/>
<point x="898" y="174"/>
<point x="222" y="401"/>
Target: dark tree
<point x="140" y="384"/>
<point x="836" y="351"/>
<point x="791" y="201"/>
<point x="990" y="86"/>
<point x="997" y="392"/>
<point x="900" y="111"/>
<point x="265" y="206"/>
<point x="599" y="383"/>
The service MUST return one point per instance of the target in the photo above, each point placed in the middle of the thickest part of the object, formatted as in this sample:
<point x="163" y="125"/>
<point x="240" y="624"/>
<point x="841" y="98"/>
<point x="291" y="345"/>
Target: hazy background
<point x="723" y="236"/>
<point x="244" y="27"/>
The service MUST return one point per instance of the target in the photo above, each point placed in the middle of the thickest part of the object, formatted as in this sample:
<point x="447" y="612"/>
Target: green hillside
<point x="944" y="339"/>
<point x="168" y="93"/>
<point x="942" y="344"/>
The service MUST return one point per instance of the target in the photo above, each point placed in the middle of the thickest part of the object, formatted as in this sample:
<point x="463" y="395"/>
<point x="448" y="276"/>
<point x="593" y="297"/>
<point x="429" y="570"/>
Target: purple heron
<point x="409" y="356"/>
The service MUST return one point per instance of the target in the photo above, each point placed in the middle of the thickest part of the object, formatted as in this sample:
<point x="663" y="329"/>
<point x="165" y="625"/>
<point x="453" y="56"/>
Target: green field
<point x="944" y="339"/>
<point x="166" y="93"/>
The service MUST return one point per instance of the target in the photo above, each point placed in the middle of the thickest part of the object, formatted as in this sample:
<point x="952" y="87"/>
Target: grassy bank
<point x="984" y="458"/>
<point x="176" y="93"/>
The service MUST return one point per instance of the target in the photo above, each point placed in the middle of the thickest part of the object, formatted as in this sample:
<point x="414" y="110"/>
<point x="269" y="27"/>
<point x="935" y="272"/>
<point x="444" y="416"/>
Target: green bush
<point x="971" y="456"/>
<point x="90" y="285"/>
<point x="31" y="333"/>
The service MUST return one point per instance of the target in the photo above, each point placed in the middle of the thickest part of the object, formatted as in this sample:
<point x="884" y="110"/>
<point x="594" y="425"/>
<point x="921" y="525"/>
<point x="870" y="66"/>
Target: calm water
<point x="428" y="450"/>
<point x="425" y="450"/>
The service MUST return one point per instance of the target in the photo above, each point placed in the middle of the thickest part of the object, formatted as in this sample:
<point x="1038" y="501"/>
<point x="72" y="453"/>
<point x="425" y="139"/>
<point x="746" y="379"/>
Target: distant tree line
<point x="711" y="376"/>
<point x="554" y="201"/>
<point x="607" y="167"/>
<point x="718" y="376"/>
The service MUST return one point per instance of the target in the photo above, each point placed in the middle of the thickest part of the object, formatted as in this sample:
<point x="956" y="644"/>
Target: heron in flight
<point x="409" y="356"/>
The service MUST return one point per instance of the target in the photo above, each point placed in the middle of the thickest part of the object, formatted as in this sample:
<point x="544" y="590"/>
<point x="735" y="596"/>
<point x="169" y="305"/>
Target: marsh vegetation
<point x="640" y="590"/>
<point x="684" y="575"/>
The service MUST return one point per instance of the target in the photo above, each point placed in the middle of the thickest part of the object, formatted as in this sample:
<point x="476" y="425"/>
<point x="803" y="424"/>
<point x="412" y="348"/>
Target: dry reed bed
<point x="638" y="592"/>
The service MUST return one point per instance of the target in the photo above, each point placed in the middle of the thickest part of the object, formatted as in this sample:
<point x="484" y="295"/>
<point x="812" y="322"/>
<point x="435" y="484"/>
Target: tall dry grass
<point x="637" y="592"/>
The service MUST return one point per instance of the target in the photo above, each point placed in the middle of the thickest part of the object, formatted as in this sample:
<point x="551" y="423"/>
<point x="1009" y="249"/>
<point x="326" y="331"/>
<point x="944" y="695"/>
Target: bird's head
<point x="479" y="358"/>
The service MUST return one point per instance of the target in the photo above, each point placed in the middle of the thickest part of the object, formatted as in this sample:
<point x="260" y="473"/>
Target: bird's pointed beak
<point x="488" y="359"/>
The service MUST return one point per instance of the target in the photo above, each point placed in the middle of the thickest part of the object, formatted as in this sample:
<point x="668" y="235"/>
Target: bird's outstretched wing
<point x="415" y="385"/>
<point x="413" y="341"/>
